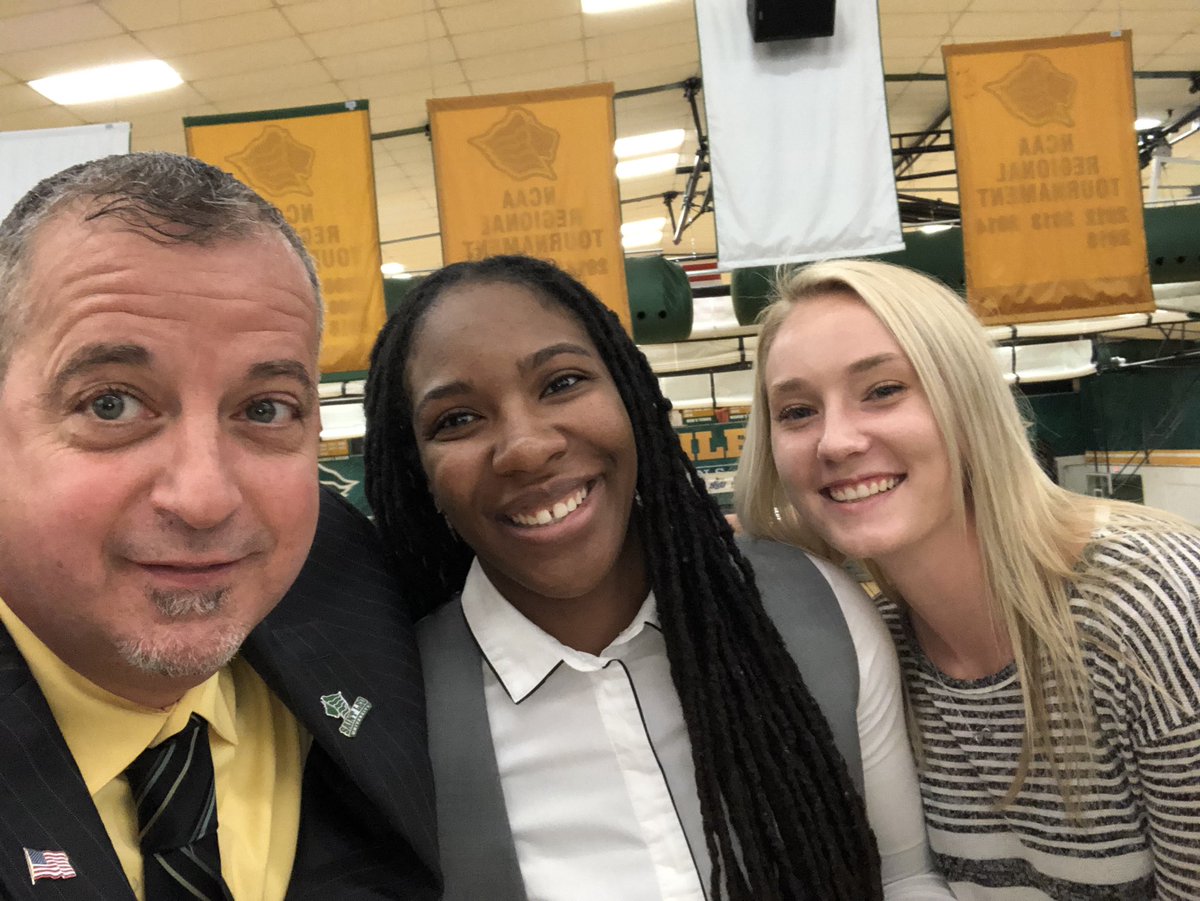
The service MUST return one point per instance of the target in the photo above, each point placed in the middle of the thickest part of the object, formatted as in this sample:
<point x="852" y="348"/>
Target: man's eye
<point x="270" y="412"/>
<point x="114" y="406"/>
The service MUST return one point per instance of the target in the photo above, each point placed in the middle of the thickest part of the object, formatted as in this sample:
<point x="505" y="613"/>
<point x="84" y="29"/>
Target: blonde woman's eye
<point x="883" y="392"/>
<point x="794" y="414"/>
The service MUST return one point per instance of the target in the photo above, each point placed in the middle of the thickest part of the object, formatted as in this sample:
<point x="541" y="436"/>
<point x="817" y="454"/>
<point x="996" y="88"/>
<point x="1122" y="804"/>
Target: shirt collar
<point x="105" y="733"/>
<point x="520" y="654"/>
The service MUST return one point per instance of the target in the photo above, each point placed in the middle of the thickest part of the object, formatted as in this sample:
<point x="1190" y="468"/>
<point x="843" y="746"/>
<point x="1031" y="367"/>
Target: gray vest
<point x="477" y="853"/>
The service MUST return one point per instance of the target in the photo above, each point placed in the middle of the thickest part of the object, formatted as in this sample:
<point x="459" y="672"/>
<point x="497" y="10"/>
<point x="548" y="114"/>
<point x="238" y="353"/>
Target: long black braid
<point x="782" y="820"/>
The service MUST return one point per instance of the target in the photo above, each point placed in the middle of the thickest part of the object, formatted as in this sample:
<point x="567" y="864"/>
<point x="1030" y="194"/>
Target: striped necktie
<point x="176" y="796"/>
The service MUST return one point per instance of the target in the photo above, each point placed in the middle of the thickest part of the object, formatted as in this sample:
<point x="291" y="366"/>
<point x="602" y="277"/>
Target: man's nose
<point x="198" y="482"/>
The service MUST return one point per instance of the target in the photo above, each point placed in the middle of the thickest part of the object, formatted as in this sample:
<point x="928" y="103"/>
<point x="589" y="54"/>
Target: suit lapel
<point x="341" y="628"/>
<point x="44" y="804"/>
<point x="478" y="853"/>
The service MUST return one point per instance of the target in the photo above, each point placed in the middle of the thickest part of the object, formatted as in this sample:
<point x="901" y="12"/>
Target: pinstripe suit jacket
<point x="367" y="809"/>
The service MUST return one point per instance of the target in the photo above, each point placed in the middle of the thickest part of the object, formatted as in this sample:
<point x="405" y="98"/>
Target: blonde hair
<point x="1031" y="532"/>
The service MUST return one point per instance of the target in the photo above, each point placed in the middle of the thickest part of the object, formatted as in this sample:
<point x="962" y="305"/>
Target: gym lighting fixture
<point x="647" y="165"/>
<point x="1141" y="123"/>
<point x="392" y="270"/>
<point x="642" y="232"/>
<point x="107" y="82"/>
<point x="612" y="6"/>
<point x="652" y="142"/>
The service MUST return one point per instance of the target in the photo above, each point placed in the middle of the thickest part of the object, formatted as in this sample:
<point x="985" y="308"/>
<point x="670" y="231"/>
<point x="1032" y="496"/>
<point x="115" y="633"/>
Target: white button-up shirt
<point x="590" y="810"/>
<point x="581" y="742"/>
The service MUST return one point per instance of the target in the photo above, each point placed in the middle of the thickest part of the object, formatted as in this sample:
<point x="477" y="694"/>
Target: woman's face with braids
<point x="528" y="451"/>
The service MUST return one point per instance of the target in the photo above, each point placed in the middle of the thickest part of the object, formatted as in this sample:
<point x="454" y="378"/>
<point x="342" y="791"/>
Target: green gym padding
<point x="395" y="290"/>
<point x="660" y="300"/>
<point x="751" y="290"/>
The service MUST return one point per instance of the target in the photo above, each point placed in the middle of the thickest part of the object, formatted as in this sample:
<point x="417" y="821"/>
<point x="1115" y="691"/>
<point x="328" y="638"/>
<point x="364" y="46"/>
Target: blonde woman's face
<point x="853" y="435"/>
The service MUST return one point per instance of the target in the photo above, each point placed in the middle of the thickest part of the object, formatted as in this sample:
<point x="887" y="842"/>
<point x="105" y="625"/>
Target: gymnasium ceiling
<point x="244" y="55"/>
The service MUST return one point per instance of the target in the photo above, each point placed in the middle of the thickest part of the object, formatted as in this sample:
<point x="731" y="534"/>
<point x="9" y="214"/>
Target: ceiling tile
<point x="984" y="26"/>
<point x="286" y="99"/>
<point x="920" y="25"/>
<point x="890" y="8"/>
<point x="213" y="34"/>
<point x="518" y="37"/>
<point x="530" y="81"/>
<point x="321" y="15"/>
<point x="138" y="14"/>
<point x="1143" y="22"/>
<point x="1030" y="8"/>
<point x="49" y="117"/>
<point x="390" y="35"/>
<point x="650" y="41"/>
<point x="16" y="98"/>
<point x="32" y="64"/>
<point x="177" y="100"/>
<point x="496" y="14"/>
<point x="636" y="64"/>
<point x="378" y="62"/>
<point x="390" y="95"/>
<point x="66" y="25"/>
<point x="199" y="10"/>
<point x="650" y="77"/>
<point x="903" y="65"/>
<point x="288" y="78"/>
<point x="910" y="46"/>
<point x="171" y="143"/>
<point x="521" y="62"/>
<point x="13" y="8"/>
<point x="240" y="60"/>
<point x="1186" y="45"/>
<point x="1148" y="45"/>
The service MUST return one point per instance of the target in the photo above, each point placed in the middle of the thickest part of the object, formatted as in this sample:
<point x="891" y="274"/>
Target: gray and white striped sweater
<point x="1139" y="834"/>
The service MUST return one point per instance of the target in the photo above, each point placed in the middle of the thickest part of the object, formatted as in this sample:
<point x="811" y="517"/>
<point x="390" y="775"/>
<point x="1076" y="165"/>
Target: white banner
<point x="26" y="157"/>
<point x="801" y="153"/>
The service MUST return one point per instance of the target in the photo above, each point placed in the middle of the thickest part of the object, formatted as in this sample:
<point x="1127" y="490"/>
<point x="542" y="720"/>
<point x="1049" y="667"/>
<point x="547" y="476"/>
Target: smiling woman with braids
<point x="613" y="714"/>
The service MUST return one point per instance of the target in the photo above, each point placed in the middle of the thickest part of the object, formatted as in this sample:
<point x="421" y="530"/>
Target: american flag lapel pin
<point x="48" y="865"/>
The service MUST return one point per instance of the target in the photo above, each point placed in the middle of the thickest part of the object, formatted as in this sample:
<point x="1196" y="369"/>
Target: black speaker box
<point x="785" y="20"/>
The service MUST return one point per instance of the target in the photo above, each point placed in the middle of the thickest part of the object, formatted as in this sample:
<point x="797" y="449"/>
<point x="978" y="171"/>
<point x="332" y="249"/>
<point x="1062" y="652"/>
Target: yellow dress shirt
<point x="257" y="750"/>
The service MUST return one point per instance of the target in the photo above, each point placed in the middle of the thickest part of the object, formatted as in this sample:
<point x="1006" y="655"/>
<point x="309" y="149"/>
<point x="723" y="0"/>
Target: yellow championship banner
<point x="533" y="173"/>
<point x="315" y="164"/>
<point x="1048" y="177"/>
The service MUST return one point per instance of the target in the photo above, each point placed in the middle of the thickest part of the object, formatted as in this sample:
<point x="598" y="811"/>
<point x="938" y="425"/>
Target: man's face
<point x="158" y="439"/>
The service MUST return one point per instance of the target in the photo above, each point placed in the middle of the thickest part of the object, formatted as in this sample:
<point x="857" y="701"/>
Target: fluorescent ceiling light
<point x="647" y="165"/>
<point x="642" y="232"/>
<point x="612" y="6"/>
<point x="654" y="142"/>
<point x="391" y="270"/>
<point x="107" y="82"/>
<point x="1141" y="123"/>
<point x="934" y="227"/>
